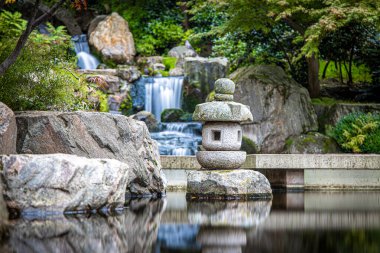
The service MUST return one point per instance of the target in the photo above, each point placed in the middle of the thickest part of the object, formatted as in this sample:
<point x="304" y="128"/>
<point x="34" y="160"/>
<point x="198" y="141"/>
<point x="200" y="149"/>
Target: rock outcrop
<point x="95" y="135"/>
<point x="311" y="143"/>
<point x="280" y="106"/>
<point x="61" y="182"/>
<point x="8" y="130"/>
<point x="200" y="76"/>
<point x="112" y="39"/>
<point x="329" y="115"/>
<point x="148" y="118"/>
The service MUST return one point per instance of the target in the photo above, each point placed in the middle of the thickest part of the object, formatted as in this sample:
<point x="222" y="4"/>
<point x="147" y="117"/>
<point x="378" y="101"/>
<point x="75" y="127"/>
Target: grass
<point x="360" y="72"/>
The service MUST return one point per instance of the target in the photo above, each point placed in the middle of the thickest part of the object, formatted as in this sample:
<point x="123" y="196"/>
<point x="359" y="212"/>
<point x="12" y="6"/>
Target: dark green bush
<point x="358" y="133"/>
<point x="248" y="146"/>
<point x="172" y="115"/>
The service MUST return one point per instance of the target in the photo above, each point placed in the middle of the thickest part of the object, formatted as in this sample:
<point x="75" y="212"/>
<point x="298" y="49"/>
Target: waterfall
<point x="179" y="138"/>
<point x="85" y="59"/>
<point x="162" y="93"/>
<point x="156" y="94"/>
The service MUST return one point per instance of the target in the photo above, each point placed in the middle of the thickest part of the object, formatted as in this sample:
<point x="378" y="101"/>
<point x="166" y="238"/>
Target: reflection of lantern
<point x="222" y="134"/>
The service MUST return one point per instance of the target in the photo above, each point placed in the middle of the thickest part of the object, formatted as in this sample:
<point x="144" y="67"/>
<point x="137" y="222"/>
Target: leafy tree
<point x="311" y="19"/>
<point x="33" y="22"/>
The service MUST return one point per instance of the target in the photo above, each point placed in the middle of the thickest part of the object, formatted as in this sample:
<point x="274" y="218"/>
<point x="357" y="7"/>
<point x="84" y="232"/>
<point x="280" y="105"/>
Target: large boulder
<point x="95" y="135"/>
<point x="203" y="72"/>
<point x="112" y="39"/>
<point x="61" y="182"/>
<point x="280" y="106"/>
<point x="8" y="130"/>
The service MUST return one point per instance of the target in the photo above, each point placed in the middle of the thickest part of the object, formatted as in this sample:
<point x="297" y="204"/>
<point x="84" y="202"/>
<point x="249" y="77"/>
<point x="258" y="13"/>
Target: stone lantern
<point x="221" y="138"/>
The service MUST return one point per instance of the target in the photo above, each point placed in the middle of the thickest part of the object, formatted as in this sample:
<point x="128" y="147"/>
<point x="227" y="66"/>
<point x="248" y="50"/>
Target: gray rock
<point x="177" y="71"/>
<point x="158" y="66"/>
<point x="3" y="210"/>
<point x="94" y="23"/>
<point x="128" y="73"/>
<point x="221" y="136"/>
<point x="203" y="72"/>
<point x="224" y="184"/>
<point x="8" y="130"/>
<point x="148" y="118"/>
<point x="112" y="39"/>
<point x="329" y="115"/>
<point x="280" y="106"/>
<point x="61" y="182"/>
<point x="224" y="86"/>
<point x="95" y="135"/>
<point x="182" y="52"/>
<point x="311" y="143"/>
<point x="221" y="160"/>
<point x="222" y="111"/>
<point x="230" y="213"/>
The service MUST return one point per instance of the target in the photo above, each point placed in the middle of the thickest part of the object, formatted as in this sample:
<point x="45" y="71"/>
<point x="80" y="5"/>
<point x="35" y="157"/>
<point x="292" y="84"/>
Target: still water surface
<point x="291" y="222"/>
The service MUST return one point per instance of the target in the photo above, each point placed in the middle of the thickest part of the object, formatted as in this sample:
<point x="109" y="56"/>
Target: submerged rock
<point x="8" y="130"/>
<point x="95" y="135"/>
<point x="112" y="39"/>
<point x="61" y="182"/>
<point x="280" y="106"/>
<point x="311" y="143"/>
<point x="225" y="184"/>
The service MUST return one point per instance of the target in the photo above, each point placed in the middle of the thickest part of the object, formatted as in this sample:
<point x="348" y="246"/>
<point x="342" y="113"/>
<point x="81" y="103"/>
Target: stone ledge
<point x="287" y="161"/>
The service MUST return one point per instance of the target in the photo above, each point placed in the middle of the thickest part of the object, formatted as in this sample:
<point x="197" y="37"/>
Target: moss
<point x="163" y="72"/>
<point x="211" y="96"/>
<point x="169" y="62"/>
<point x="325" y="101"/>
<point x="171" y="115"/>
<point x="289" y="142"/>
<point x="248" y="146"/>
<point x="309" y="139"/>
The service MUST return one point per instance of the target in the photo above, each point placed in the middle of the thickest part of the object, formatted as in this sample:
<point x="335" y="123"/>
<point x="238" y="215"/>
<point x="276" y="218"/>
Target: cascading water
<point x="156" y="94"/>
<point x="85" y="59"/>
<point x="162" y="93"/>
<point x="180" y="138"/>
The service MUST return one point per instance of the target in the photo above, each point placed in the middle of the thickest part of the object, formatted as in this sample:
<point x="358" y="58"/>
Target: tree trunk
<point x="325" y="69"/>
<point x="313" y="79"/>
<point x="340" y="72"/>
<point x="350" y="78"/>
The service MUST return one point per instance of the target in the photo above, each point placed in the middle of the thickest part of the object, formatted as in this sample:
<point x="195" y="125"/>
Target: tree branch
<point x="32" y="23"/>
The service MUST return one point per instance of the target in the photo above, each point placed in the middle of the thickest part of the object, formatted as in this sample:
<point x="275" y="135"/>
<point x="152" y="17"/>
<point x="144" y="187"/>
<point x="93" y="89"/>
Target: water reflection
<point x="134" y="230"/>
<point x="297" y="222"/>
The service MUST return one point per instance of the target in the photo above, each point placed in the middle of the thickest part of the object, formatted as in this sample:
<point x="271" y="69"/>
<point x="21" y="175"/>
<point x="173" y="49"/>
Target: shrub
<point x="169" y="62"/>
<point x="358" y="133"/>
<point x="42" y="77"/>
<point x="248" y="146"/>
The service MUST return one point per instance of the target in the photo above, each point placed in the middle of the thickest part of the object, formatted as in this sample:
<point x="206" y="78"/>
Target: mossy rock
<point x="248" y="146"/>
<point x="311" y="143"/>
<point x="169" y="62"/>
<point x="172" y="115"/>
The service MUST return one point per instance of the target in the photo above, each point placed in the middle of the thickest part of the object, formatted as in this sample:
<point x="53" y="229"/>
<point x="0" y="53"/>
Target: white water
<point x="85" y="59"/>
<point x="179" y="138"/>
<point x="162" y="93"/>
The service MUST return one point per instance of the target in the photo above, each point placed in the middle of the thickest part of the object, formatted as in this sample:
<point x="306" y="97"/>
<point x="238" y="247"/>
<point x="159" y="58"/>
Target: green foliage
<point x="172" y="115"/>
<point x="248" y="146"/>
<point x="326" y="101"/>
<point x="156" y="25"/>
<point x="358" y="133"/>
<point x="42" y="77"/>
<point x="360" y="72"/>
<point x="126" y="106"/>
<point x="169" y="62"/>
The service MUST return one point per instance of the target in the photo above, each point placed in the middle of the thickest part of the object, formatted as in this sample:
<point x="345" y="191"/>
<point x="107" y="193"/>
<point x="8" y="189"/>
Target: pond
<point x="291" y="222"/>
